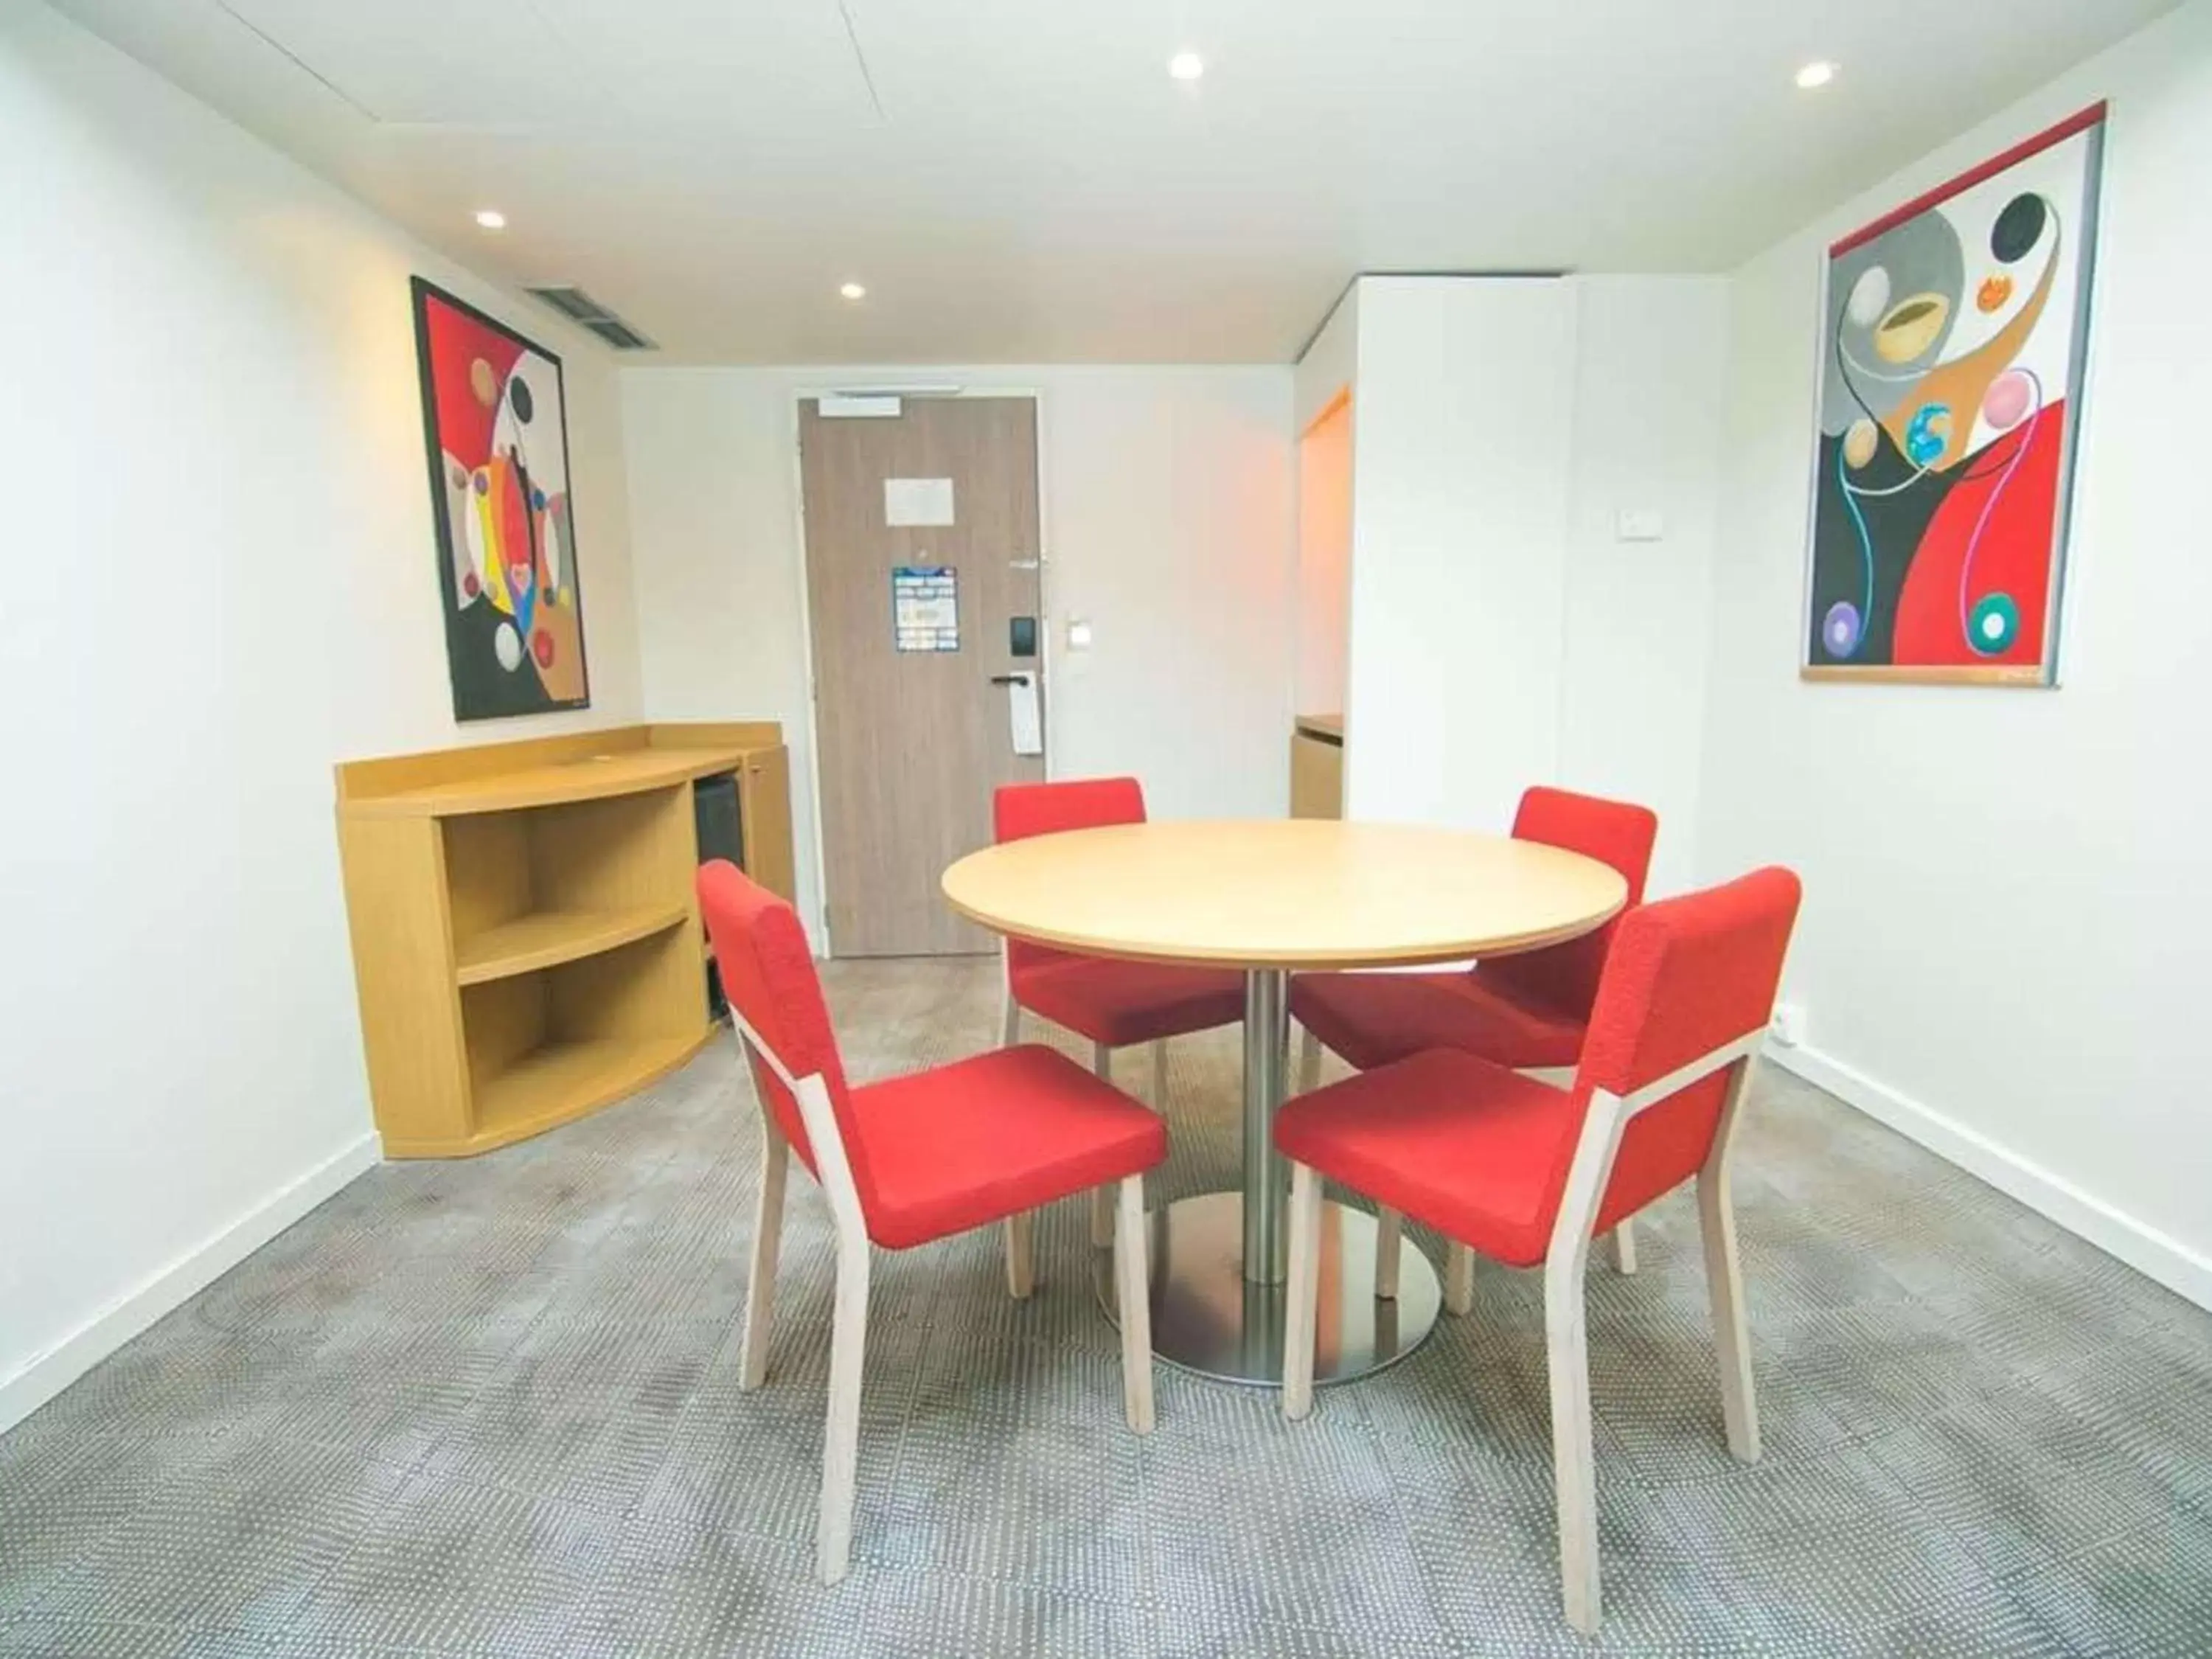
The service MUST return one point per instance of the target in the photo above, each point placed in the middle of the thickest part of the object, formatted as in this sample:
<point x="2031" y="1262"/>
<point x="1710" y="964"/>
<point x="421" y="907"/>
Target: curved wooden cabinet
<point x="526" y="944"/>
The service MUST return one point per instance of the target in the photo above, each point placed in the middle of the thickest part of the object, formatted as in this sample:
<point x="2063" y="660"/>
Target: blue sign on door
<point x="925" y="607"/>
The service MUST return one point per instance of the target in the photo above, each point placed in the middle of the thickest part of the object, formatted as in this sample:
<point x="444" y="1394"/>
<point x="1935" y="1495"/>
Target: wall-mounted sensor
<point x="1787" y="1027"/>
<point x="1078" y="633"/>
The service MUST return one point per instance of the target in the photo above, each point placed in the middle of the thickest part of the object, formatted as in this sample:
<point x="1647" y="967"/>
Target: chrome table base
<point x="1218" y="1263"/>
<point x="1208" y="1317"/>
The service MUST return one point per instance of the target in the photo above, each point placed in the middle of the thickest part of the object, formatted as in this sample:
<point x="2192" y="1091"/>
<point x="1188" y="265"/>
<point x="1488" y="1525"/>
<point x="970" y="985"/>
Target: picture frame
<point x="1954" y="341"/>
<point x="496" y="429"/>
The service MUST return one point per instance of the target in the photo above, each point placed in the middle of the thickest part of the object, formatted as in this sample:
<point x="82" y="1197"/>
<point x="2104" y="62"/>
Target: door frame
<point x="1047" y="654"/>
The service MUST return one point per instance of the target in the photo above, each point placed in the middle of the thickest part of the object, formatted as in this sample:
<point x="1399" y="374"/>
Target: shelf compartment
<point x="566" y="1078"/>
<point x="547" y="1044"/>
<point x="549" y="937"/>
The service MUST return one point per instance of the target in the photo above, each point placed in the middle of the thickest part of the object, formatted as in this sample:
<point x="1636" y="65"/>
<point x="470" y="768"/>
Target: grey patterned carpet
<point x="489" y="1407"/>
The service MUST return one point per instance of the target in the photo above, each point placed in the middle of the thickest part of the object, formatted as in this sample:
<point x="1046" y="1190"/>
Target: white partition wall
<point x="1463" y="390"/>
<point x="1650" y="382"/>
<point x="1533" y="482"/>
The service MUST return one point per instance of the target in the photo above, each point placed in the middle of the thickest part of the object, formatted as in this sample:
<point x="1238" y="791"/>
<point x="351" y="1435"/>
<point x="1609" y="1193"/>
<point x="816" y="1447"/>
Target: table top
<point x="1296" y="893"/>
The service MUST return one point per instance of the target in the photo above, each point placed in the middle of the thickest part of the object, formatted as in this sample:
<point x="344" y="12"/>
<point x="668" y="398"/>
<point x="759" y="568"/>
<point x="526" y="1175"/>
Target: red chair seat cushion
<point x="1474" y="1150"/>
<point x="1373" y="1019"/>
<point x="1119" y="1003"/>
<point x="965" y="1144"/>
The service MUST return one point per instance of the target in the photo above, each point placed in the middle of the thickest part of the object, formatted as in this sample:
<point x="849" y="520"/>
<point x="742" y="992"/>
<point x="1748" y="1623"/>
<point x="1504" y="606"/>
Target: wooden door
<point x="913" y="733"/>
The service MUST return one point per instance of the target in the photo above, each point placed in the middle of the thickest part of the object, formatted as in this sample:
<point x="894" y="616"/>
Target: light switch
<point x="1640" y="524"/>
<point x="1078" y="633"/>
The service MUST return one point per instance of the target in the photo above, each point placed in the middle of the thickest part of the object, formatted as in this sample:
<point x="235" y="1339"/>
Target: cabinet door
<point x="765" y="784"/>
<point x="1317" y="777"/>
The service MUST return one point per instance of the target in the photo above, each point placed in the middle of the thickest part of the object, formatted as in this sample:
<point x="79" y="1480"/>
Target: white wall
<point x="1330" y="362"/>
<point x="1650" y="374"/>
<point x="1464" y="402"/>
<point x="1502" y="632"/>
<point x="1168" y="525"/>
<point x="2008" y="926"/>
<point x="1329" y="366"/>
<point x="220" y="579"/>
<point x="1326" y="459"/>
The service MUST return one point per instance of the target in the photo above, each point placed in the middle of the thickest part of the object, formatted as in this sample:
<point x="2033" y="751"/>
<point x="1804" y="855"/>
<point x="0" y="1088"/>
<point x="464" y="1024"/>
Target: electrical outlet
<point x="1640" y="524"/>
<point x="1788" y="1025"/>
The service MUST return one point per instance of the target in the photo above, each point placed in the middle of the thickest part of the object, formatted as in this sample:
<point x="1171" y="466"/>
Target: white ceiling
<point x="1019" y="180"/>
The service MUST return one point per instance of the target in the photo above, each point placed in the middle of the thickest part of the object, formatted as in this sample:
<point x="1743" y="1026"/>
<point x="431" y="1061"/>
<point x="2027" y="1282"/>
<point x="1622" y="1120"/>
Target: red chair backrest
<point x="1687" y="976"/>
<point x="1019" y="811"/>
<point x="1565" y="977"/>
<point x="768" y="976"/>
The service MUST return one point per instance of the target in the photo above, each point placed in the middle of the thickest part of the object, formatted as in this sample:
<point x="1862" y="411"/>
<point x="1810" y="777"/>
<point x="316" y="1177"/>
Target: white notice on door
<point x="917" y="502"/>
<point x="1025" y="721"/>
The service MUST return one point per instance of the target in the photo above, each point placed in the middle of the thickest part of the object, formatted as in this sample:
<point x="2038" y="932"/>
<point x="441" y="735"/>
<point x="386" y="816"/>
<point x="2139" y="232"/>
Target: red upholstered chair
<point x="908" y="1160"/>
<point x="1526" y="1173"/>
<point x="1526" y="1011"/>
<point x="1115" y="1004"/>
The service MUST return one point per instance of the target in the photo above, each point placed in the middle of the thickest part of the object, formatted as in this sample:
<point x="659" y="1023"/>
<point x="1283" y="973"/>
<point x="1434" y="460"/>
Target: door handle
<point x="1008" y="679"/>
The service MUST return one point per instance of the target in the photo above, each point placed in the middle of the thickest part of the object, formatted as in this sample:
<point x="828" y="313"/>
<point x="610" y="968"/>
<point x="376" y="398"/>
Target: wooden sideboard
<point x="1317" y="766"/>
<point x="527" y="946"/>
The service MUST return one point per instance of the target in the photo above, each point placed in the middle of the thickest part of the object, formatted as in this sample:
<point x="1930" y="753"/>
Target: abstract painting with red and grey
<point x="497" y="430"/>
<point x="1950" y="389"/>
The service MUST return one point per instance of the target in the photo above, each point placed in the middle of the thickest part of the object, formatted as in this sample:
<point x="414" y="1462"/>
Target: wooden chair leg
<point x="1385" y="1253"/>
<point x="1133" y="1291"/>
<point x="1459" y="1278"/>
<point x="1021" y="1255"/>
<point x="1572" y="1468"/>
<point x="1302" y="1293"/>
<point x="841" y="1442"/>
<point x="768" y="1241"/>
<point x="1102" y="1198"/>
<point x="1724" y="1286"/>
<point x="1624" y="1235"/>
<point x="1308" y="1062"/>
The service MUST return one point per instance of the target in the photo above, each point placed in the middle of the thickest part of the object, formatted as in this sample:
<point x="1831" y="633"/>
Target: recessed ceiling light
<point x="853" y="291"/>
<point x="491" y="219"/>
<point x="1186" y="66"/>
<point x="1817" y="74"/>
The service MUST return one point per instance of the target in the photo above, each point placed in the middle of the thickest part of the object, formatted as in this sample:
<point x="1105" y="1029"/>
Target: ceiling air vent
<point x="580" y="307"/>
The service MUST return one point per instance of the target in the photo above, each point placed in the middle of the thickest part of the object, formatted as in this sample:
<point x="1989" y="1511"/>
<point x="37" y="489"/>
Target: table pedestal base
<point x="1208" y="1318"/>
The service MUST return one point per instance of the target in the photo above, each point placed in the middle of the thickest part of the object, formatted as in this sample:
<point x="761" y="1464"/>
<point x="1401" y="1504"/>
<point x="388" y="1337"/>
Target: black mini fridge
<point x="721" y="827"/>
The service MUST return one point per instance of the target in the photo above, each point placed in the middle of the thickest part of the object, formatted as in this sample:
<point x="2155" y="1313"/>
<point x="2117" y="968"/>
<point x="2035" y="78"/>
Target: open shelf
<point x="565" y="1079"/>
<point x="547" y="1043"/>
<point x="551" y="936"/>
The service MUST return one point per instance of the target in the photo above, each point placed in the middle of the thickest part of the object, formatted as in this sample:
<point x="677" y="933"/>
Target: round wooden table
<point x="1268" y="898"/>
